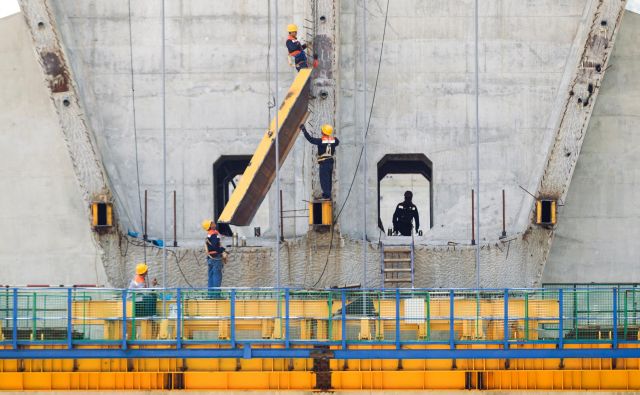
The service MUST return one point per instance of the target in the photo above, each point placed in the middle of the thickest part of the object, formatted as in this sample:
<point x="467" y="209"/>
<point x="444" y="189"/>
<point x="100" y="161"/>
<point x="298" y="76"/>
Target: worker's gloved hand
<point x="302" y="127"/>
<point x="154" y="282"/>
<point x="304" y="46"/>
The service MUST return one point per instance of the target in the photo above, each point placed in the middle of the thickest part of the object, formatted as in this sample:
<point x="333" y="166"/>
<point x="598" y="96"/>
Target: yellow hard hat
<point x="206" y="224"/>
<point x="327" y="129"/>
<point x="292" y="28"/>
<point x="141" y="268"/>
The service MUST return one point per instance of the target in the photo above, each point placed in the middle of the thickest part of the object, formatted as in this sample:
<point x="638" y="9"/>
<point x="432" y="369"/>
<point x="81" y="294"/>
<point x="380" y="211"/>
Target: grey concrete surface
<point x="46" y="236"/>
<point x="597" y="235"/>
<point x="425" y="102"/>
<point x="218" y="89"/>
<point x="217" y="93"/>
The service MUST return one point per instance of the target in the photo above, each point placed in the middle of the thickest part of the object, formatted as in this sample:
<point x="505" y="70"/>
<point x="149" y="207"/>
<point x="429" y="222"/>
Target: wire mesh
<point x="153" y="315"/>
<point x="478" y="316"/>
<point x="533" y="315"/>
<point x="260" y="315"/>
<point x="96" y="315"/>
<point x="205" y="316"/>
<point x="588" y="315"/>
<point x="370" y="315"/>
<point x="6" y="315"/>
<point x="311" y="315"/>
<point x="629" y="314"/>
<point x="42" y="315"/>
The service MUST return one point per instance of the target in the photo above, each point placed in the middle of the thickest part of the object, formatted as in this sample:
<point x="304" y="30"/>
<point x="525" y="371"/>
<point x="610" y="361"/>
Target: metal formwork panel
<point x="261" y="171"/>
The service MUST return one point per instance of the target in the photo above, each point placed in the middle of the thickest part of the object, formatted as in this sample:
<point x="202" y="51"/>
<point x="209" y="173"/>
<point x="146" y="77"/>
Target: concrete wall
<point x="597" y="233"/>
<point x="218" y="87"/>
<point x="46" y="236"/>
<point x="425" y="102"/>
<point x="217" y="95"/>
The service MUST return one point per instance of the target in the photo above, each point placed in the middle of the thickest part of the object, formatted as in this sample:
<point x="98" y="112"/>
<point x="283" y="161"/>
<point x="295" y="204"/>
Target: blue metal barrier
<point x="247" y="322"/>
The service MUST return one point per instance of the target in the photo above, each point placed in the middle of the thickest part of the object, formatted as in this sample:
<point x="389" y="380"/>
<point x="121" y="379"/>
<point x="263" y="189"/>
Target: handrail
<point x="240" y="317"/>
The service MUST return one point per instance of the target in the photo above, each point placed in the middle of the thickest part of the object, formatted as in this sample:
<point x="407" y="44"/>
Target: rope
<point x="135" y="129"/>
<point x="355" y="172"/>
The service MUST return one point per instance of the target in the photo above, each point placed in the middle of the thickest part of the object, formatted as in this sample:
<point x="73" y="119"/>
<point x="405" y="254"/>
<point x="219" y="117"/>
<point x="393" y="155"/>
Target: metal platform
<point x="58" y="338"/>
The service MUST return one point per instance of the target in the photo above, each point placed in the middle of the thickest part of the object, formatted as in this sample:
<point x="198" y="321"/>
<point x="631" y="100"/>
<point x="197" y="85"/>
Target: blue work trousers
<point x="326" y="174"/>
<point x="214" y="279"/>
<point x="301" y="61"/>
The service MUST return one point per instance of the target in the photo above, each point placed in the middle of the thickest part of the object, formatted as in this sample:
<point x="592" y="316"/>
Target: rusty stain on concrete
<point x="56" y="73"/>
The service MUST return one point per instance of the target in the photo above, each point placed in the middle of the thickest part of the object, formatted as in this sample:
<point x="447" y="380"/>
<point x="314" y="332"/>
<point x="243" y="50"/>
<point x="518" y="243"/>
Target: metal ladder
<point x="396" y="265"/>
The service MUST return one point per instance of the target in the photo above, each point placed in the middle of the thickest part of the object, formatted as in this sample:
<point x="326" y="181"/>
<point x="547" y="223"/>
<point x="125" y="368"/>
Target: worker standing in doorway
<point x="296" y="48"/>
<point x="140" y="279"/>
<point x="326" y="149"/>
<point x="215" y="253"/>
<point x="405" y="213"/>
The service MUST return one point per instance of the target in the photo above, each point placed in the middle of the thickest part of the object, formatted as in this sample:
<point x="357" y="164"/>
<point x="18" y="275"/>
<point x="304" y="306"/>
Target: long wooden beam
<point x="261" y="171"/>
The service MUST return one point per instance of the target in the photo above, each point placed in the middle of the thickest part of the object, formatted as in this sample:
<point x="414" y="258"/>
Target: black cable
<point x="179" y="268"/>
<point x="135" y="129"/>
<point x="355" y="172"/>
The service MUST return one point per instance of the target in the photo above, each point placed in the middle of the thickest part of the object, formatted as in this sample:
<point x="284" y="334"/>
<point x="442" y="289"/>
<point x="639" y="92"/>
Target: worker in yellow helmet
<point x="296" y="48"/>
<point x="215" y="252"/>
<point x="140" y="279"/>
<point x="326" y="149"/>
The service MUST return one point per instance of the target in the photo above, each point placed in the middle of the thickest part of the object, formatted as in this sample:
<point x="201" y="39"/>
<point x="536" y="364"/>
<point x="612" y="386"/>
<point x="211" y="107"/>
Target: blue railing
<point x="294" y="323"/>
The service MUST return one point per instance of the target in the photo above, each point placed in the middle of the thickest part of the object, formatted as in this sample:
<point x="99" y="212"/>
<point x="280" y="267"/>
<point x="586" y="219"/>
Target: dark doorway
<point x="398" y="173"/>
<point x="225" y="169"/>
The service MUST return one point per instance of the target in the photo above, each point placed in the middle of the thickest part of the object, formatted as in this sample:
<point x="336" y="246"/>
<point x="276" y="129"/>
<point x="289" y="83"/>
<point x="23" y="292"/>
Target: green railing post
<point x="575" y="312"/>
<point x="124" y="319"/>
<point x="428" y="316"/>
<point x="14" y="319"/>
<point x="34" y="334"/>
<point x="84" y="314"/>
<point x="526" y="315"/>
<point x="625" y="312"/>
<point x="477" y="312"/>
<point x="330" y="320"/>
<point x="615" y="318"/>
<point x="69" y="319"/>
<point x="133" y="315"/>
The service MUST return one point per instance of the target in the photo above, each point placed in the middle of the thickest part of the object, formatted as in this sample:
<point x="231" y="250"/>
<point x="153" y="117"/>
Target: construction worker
<point x="326" y="149"/>
<point x="296" y="49"/>
<point x="215" y="252"/>
<point x="405" y="213"/>
<point x="140" y="279"/>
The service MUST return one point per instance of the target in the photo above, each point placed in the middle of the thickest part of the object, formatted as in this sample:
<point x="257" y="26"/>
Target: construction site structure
<point x="557" y="338"/>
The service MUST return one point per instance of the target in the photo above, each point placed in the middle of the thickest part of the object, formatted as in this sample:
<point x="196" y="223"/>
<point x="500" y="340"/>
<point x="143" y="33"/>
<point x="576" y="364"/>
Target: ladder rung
<point x="397" y="270"/>
<point x="397" y="260"/>
<point x="397" y="280"/>
<point x="390" y="250"/>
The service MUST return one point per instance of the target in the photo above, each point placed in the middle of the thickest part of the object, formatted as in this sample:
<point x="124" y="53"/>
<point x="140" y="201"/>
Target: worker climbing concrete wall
<point x="597" y="233"/>
<point x="217" y="95"/>
<point x="46" y="236"/>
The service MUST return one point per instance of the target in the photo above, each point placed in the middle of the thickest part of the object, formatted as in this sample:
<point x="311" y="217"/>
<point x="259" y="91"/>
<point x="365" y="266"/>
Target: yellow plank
<point x="260" y="173"/>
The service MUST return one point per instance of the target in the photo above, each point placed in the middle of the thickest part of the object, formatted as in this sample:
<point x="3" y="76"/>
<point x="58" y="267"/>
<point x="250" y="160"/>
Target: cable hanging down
<point x="135" y="129"/>
<point x="355" y="172"/>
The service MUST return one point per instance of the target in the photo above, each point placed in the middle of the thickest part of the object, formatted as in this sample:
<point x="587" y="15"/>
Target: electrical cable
<point x="135" y="128"/>
<point x="355" y="172"/>
<point x="175" y="255"/>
